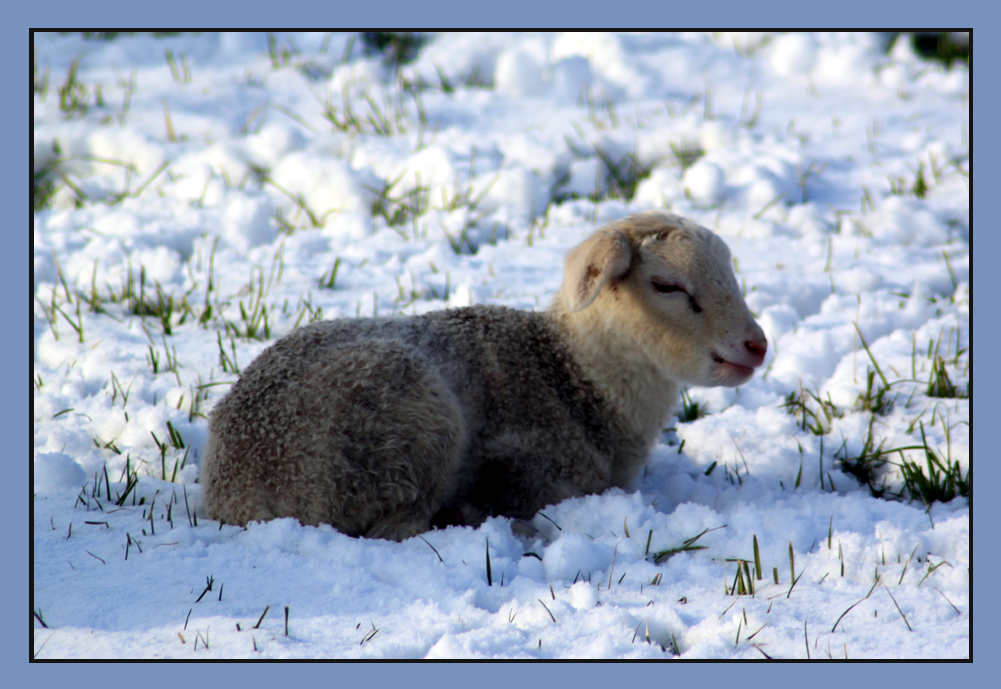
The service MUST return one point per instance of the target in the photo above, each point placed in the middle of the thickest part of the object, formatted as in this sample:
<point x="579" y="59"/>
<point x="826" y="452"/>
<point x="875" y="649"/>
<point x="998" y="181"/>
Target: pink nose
<point x="757" y="347"/>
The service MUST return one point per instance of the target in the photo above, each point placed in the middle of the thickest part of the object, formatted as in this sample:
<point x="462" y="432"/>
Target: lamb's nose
<point x="757" y="347"/>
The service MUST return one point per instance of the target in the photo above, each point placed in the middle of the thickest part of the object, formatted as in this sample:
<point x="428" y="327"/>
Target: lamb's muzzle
<point x="740" y="365"/>
<point x="382" y="427"/>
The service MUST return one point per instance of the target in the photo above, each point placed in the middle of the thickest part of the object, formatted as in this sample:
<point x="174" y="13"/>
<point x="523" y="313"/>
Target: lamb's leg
<point x="393" y="442"/>
<point x="516" y="474"/>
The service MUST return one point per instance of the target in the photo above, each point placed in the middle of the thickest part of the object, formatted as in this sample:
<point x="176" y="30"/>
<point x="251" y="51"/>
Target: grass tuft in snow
<point x="757" y="560"/>
<point x="943" y="481"/>
<point x="622" y="176"/>
<point x="131" y="481"/>
<point x="490" y="579"/>
<point x="865" y="465"/>
<point x="396" y="47"/>
<point x="261" y="618"/>
<point x="940" y="385"/>
<point x="328" y="282"/>
<point x="944" y="47"/>
<point x="874" y="398"/>
<point x="390" y="117"/>
<point x="815" y="414"/>
<point x="209" y="581"/>
<point x="686" y="155"/>
<point x="280" y="57"/>
<point x="43" y="186"/>
<point x="688" y="545"/>
<point x="546" y="608"/>
<point x="229" y="365"/>
<point x="691" y="410"/>
<point x="400" y="209"/>
<point x="73" y="94"/>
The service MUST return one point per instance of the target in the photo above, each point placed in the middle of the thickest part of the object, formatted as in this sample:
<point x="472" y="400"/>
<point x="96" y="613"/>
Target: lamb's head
<point x="664" y="288"/>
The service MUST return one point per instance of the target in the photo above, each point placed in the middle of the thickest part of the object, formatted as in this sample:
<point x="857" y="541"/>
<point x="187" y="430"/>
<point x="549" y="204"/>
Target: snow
<point x="704" y="183"/>
<point x="803" y="141"/>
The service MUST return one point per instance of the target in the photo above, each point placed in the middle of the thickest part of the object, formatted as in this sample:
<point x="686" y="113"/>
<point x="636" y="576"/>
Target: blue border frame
<point x="587" y="12"/>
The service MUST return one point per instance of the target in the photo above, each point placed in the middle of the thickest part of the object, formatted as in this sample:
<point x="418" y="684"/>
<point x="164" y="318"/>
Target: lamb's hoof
<point x="524" y="529"/>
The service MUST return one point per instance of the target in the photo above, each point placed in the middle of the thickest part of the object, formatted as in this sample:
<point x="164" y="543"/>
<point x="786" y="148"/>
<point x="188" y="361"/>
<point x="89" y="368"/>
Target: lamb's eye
<point x="668" y="288"/>
<point x="665" y="288"/>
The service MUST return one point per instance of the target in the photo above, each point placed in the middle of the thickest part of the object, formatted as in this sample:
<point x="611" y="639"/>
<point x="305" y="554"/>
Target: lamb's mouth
<point x="731" y="368"/>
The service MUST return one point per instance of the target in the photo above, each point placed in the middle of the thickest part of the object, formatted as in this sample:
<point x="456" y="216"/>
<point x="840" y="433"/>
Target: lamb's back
<point x="508" y="368"/>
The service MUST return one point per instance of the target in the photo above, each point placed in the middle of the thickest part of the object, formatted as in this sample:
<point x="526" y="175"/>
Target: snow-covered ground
<point x="207" y="194"/>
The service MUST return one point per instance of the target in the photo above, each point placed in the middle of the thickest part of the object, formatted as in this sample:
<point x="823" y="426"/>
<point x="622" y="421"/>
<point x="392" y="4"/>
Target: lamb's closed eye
<point x="665" y="287"/>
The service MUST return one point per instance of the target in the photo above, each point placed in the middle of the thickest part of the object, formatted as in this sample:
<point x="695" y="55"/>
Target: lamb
<point x="386" y="427"/>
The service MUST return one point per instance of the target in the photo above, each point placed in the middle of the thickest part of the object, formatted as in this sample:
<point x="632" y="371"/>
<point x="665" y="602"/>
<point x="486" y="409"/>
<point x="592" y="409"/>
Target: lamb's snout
<point x="735" y="364"/>
<point x="757" y="347"/>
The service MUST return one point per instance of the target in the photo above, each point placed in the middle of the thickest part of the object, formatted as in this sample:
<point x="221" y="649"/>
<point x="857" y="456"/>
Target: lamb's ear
<point x="604" y="256"/>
